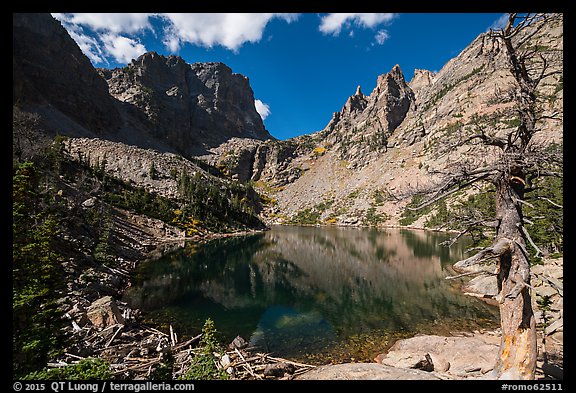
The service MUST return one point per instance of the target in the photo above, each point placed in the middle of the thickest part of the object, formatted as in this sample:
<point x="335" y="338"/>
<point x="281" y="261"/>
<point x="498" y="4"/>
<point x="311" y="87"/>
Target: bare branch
<point x="527" y="221"/>
<point x="553" y="116"/>
<point x="524" y="202"/>
<point x="500" y="247"/>
<point x="469" y="274"/>
<point x="527" y="235"/>
<point x="551" y="202"/>
<point x="487" y="139"/>
<point x="447" y="189"/>
<point x="469" y="227"/>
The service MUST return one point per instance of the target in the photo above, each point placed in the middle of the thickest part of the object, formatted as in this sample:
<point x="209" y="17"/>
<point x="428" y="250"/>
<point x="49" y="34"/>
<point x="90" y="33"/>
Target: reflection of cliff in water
<point x="350" y="280"/>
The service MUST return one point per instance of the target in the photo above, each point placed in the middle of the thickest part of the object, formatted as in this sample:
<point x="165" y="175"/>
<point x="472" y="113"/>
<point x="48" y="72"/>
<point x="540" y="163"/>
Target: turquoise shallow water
<point x="294" y="291"/>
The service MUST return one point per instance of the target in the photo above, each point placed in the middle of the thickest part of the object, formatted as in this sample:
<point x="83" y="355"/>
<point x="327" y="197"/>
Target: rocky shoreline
<point x="98" y="324"/>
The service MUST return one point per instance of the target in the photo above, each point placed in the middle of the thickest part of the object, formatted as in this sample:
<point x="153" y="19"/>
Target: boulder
<point x="365" y="371"/>
<point x="448" y="354"/>
<point x="104" y="313"/>
<point x="482" y="287"/>
<point x="91" y="202"/>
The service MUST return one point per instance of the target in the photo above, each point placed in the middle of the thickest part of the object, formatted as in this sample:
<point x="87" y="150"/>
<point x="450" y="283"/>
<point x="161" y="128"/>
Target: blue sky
<point x="302" y="67"/>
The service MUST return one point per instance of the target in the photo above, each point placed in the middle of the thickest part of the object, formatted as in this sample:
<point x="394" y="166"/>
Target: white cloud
<point x="262" y="108"/>
<point x="499" y="23"/>
<point x="333" y="23"/>
<point x="123" y="49"/>
<point x="115" y="23"/>
<point x="116" y="34"/>
<point x="381" y="36"/>
<point x="228" y="30"/>
<point x="89" y="46"/>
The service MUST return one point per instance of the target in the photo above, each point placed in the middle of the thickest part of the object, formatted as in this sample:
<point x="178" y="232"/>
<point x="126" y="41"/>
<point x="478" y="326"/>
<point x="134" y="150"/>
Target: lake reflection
<point x="297" y="290"/>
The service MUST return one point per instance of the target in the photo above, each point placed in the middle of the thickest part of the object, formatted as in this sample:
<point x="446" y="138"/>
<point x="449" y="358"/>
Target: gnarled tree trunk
<point x="518" y="347"/>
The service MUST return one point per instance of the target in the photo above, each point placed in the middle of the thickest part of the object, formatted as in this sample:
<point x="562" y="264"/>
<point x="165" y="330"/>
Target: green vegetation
<point x="205" y="204"/>
<point x="560" y="85"/>
<point x="372" y="218"/>
<point x="220" y="207"/>
<point x="310" y="215"/>
<point x="44" y="218"/>
<point x="450" y="129"/>
<point x="512" y="123"/>
<point x="542" y="211"/>
<point x="102" y="249"/>
<point x="126" y="196"/>
<point x="86" y="369"/>
<point x="547" y="228"/>
<point x="455" y="214"/>
<point x="410" y="216"/>
<point x="36" y="276"/>
<point x="152" y="172"/>
<point x="203" y="365"/>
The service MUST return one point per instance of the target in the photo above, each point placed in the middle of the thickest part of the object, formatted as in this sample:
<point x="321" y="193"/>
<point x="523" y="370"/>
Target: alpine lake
<point x="315" y="294"/>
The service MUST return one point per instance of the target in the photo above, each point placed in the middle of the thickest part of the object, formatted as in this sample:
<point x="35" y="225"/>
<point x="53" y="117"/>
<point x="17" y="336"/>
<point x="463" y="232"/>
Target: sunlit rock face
<point x="189" y="106"/>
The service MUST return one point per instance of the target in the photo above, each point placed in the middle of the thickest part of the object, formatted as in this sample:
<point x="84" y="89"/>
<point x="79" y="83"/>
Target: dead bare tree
<point x="519" y="159"/>
<point x="28" y="138"/>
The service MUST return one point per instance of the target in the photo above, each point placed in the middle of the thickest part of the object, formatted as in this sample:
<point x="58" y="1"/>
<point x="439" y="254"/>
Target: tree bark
<point x="518" y="347"/>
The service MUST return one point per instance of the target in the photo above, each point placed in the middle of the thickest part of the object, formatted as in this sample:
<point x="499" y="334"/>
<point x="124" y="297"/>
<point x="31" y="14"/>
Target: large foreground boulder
<point x="365" y="371"/>
<point x="458" y="356"/>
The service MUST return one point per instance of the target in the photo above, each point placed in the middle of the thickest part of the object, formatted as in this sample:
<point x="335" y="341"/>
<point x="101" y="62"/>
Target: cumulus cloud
<point x="333" y="23"/>
<point x="108" y="39"/>
<point x="262" y="108"/>
<point x="228" y="30"/>
<point x="123" y="49"/>
<point x="381" y="36"/>
<point x="88" y="45"/>
<point x="116" y="35"/>
<point x="115" y="23"/>
<point x="499" y="23"/>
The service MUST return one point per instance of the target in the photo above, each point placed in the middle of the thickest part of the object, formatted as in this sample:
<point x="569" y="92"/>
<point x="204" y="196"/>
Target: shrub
<point x="86" y="369"/>
<point x="203" y="366"/>
<point x="36" y="277"/>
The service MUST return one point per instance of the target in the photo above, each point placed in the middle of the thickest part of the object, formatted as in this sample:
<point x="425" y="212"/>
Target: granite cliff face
<point x="356" y="134"/>
<point x="154" y="102"/>
<point x="375" y="149"/>
<point x="188" y="106"/>
<point x="365" y="123"/>
<point x="52" y="76"/>
<point x="382" y="146"/>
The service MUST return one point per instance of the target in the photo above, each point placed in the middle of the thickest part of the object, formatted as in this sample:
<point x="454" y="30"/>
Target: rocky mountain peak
<point x="51" y="75"/>
<point x="355" y="103"/>
<point x="365" y="122"/>
<point x="193" y="106"/>
<point x="391" y="99"/>
<point x="396" y="73"/>
<point x="158" y="101"/>
<point x="420" y="80"/>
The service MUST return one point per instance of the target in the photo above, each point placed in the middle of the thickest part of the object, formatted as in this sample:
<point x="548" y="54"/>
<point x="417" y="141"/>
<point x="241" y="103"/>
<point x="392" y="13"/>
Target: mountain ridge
<point x="156" y="101"/>
<point x="382" y="144"/>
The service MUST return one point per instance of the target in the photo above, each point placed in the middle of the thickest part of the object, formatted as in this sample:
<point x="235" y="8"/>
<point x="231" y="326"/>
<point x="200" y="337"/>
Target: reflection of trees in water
<point x="357" y="279"/>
